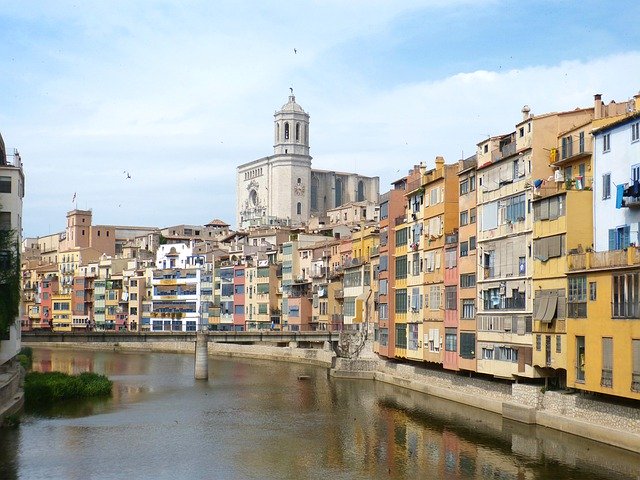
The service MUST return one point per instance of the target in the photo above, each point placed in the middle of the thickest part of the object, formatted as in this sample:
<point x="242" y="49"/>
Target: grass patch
<point x="45" y="388"/>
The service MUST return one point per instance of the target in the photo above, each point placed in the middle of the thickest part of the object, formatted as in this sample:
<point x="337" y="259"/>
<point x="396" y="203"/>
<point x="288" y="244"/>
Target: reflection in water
<point x="255" y="419"/>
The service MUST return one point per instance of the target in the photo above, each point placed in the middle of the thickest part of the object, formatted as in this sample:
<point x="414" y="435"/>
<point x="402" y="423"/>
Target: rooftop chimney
<point x="439" y="163"/>
<point x="597" y="106"/>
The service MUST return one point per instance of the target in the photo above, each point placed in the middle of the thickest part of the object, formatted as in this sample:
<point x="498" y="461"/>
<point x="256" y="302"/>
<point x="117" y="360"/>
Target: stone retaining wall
<point x="577" y="414"/>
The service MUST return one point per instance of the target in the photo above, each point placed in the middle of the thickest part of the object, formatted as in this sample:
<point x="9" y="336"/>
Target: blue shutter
<point x="626" y="236"/>
<point x="612" y="239"/>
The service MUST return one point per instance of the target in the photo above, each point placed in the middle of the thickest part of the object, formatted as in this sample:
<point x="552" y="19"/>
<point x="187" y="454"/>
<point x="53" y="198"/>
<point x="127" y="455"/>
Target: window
<point x="472" y="183"/>
<point x="238" y="309"/>
<point x="467" y="280"/>
<point x="464" y="249"/>
<point x="464" y="187"/>
<point x="567" y="147"/>
<point x="538" y="343"/>
<point x="384" y="261"/>
<point x="606" y="379"/>
<point x="472" y="215"/>
<point x="464" y="218"/>
<point x="297" y="132"/>
<point x="635" y="375"/>
<point x="577" y="297"/>
<point x="401" y="300"/>
<point x="472" y="243"/>
<point x="384" y="210"/>
<point x="606" y="142"/>
<point x="635" y="132"/>
<point x="450" y="258"/>
<point x="401" y="267"/>
<point x="468" y="308"/>
<point x="413" y="336"/>
<point x="238" y="290"/>
<point x="401" y="336"/>
<point x="5" y="184"/>
<point x="619" y="237"/>
<point x="349" y="308"/>
<point x="434" y="298"/>
<point x="581" y="142"/>
<point x="383" y="311"/>
<point x="415" y="264"/>
<point x="384" y="337"/>
<point x="515" y="208"/>
<point x="467" y="345"/>
<point x="625" y="299"/>
<point x="451" y="298"/>
<point x="450" y="340"/>
<point x="558" y="343"/>
<point x="401" y="237"/>
<point x="592" y="291"/>
<point x="299" y="208"/>
<point x="286" y="131"/>
<point x="516" y="168"/>
<point x="606" y="186"/>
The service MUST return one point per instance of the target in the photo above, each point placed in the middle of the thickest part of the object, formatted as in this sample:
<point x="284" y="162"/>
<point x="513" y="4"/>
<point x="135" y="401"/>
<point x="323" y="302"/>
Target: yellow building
<point x="61" y="312"/>
<point x="441" y="217"/>
<point x="563" y="223"/>
<point x="603" y="335"/>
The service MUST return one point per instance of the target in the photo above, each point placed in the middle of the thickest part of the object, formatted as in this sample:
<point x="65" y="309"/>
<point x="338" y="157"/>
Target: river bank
<point x="578" y="414"/>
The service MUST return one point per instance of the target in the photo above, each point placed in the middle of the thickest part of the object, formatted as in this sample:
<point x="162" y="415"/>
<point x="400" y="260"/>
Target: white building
<point x="283" y="189"/>
<point x="616" y="183"/>
<point x="177" y="295"/>
<point x="11" y="195"/>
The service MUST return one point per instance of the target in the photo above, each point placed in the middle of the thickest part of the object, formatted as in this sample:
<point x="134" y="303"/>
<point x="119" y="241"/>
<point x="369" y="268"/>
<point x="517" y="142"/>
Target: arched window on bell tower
<point x="299" y="208"/>
<point x="286" y="130"/>
<point x="297" y="132"/>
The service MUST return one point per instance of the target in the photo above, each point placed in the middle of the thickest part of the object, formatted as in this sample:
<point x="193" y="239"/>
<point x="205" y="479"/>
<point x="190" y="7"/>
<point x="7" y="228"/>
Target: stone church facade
<point x="283" y="189"/>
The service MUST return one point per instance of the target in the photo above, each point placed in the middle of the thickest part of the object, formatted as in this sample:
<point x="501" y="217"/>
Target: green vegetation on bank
<point x="9" y="281"/>
<point x="44" y="388"/>
<point x="25" y="357"/>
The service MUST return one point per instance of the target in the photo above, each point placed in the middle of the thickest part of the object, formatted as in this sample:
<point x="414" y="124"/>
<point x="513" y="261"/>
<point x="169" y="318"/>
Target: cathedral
<point x="283" y="189"/>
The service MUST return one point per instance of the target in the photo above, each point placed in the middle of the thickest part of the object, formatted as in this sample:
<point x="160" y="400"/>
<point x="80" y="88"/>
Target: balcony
<point x="339" y="294"/>
<point x="414" y="185"/>
<point x="560" y="184"/>
<point x="400" y="220"/>
<point x="503" y="152"/>
<point x="604" y="260"/>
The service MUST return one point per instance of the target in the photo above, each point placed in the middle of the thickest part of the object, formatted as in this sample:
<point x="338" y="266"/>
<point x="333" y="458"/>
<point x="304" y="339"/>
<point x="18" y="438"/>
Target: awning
<point x="542" y="308"/>
<point x="550" y="313"/>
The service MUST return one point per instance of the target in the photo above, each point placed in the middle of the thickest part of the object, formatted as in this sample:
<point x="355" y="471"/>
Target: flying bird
<point x="295" y="51"/>
<point x="127" y="174"/>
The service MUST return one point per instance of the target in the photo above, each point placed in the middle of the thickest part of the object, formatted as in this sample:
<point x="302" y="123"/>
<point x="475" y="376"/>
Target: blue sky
<point x="180" y="93"/>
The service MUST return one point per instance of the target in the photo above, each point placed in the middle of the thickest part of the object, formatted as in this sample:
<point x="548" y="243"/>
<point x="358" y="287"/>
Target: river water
<point x="258" y="420"/>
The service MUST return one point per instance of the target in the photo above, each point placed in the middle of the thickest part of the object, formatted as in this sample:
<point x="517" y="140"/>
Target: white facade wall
<point x="12" y="202"/>
<point x="618" y="161"/>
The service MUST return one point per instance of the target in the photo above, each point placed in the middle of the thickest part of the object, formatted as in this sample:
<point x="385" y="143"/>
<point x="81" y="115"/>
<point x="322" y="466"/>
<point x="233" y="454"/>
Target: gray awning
<point x="550" y="312"/>
<point x="542" y="308"/>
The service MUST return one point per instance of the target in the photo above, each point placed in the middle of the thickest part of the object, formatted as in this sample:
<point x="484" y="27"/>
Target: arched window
<point x="338" y="196"/>
<point x="297" y="132"/>
<point x="299" y="208"/>
<point x="286" y="131"/>
<point x="360" y="193"/>
<point x="299" y="180"/>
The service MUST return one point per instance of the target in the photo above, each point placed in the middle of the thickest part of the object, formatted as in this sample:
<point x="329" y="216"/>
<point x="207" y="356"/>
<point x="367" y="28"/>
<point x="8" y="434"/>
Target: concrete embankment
<point x="11" y="394"/>
<point x="573" y="413"/>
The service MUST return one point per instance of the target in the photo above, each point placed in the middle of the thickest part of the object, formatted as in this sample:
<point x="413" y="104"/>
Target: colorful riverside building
<point x="177" y="289"/>
<point x="466" y="267"/>
<point x="392" y="206"/>
<point x="603" y="328"/>
<point x="563" y="224"/>
<point x="441" y="218"/>
<point x="509" y="168"/>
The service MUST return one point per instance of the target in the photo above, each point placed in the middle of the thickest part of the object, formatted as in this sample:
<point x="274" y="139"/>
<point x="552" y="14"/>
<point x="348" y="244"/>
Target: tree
<point x="9" y="280"/>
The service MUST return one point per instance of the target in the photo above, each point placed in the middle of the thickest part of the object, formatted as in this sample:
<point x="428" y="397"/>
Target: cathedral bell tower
<point x="291" y="136"/>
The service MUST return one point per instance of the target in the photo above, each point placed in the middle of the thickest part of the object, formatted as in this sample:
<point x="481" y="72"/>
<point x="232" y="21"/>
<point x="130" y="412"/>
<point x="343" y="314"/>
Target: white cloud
<point x="180" y="96"/>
